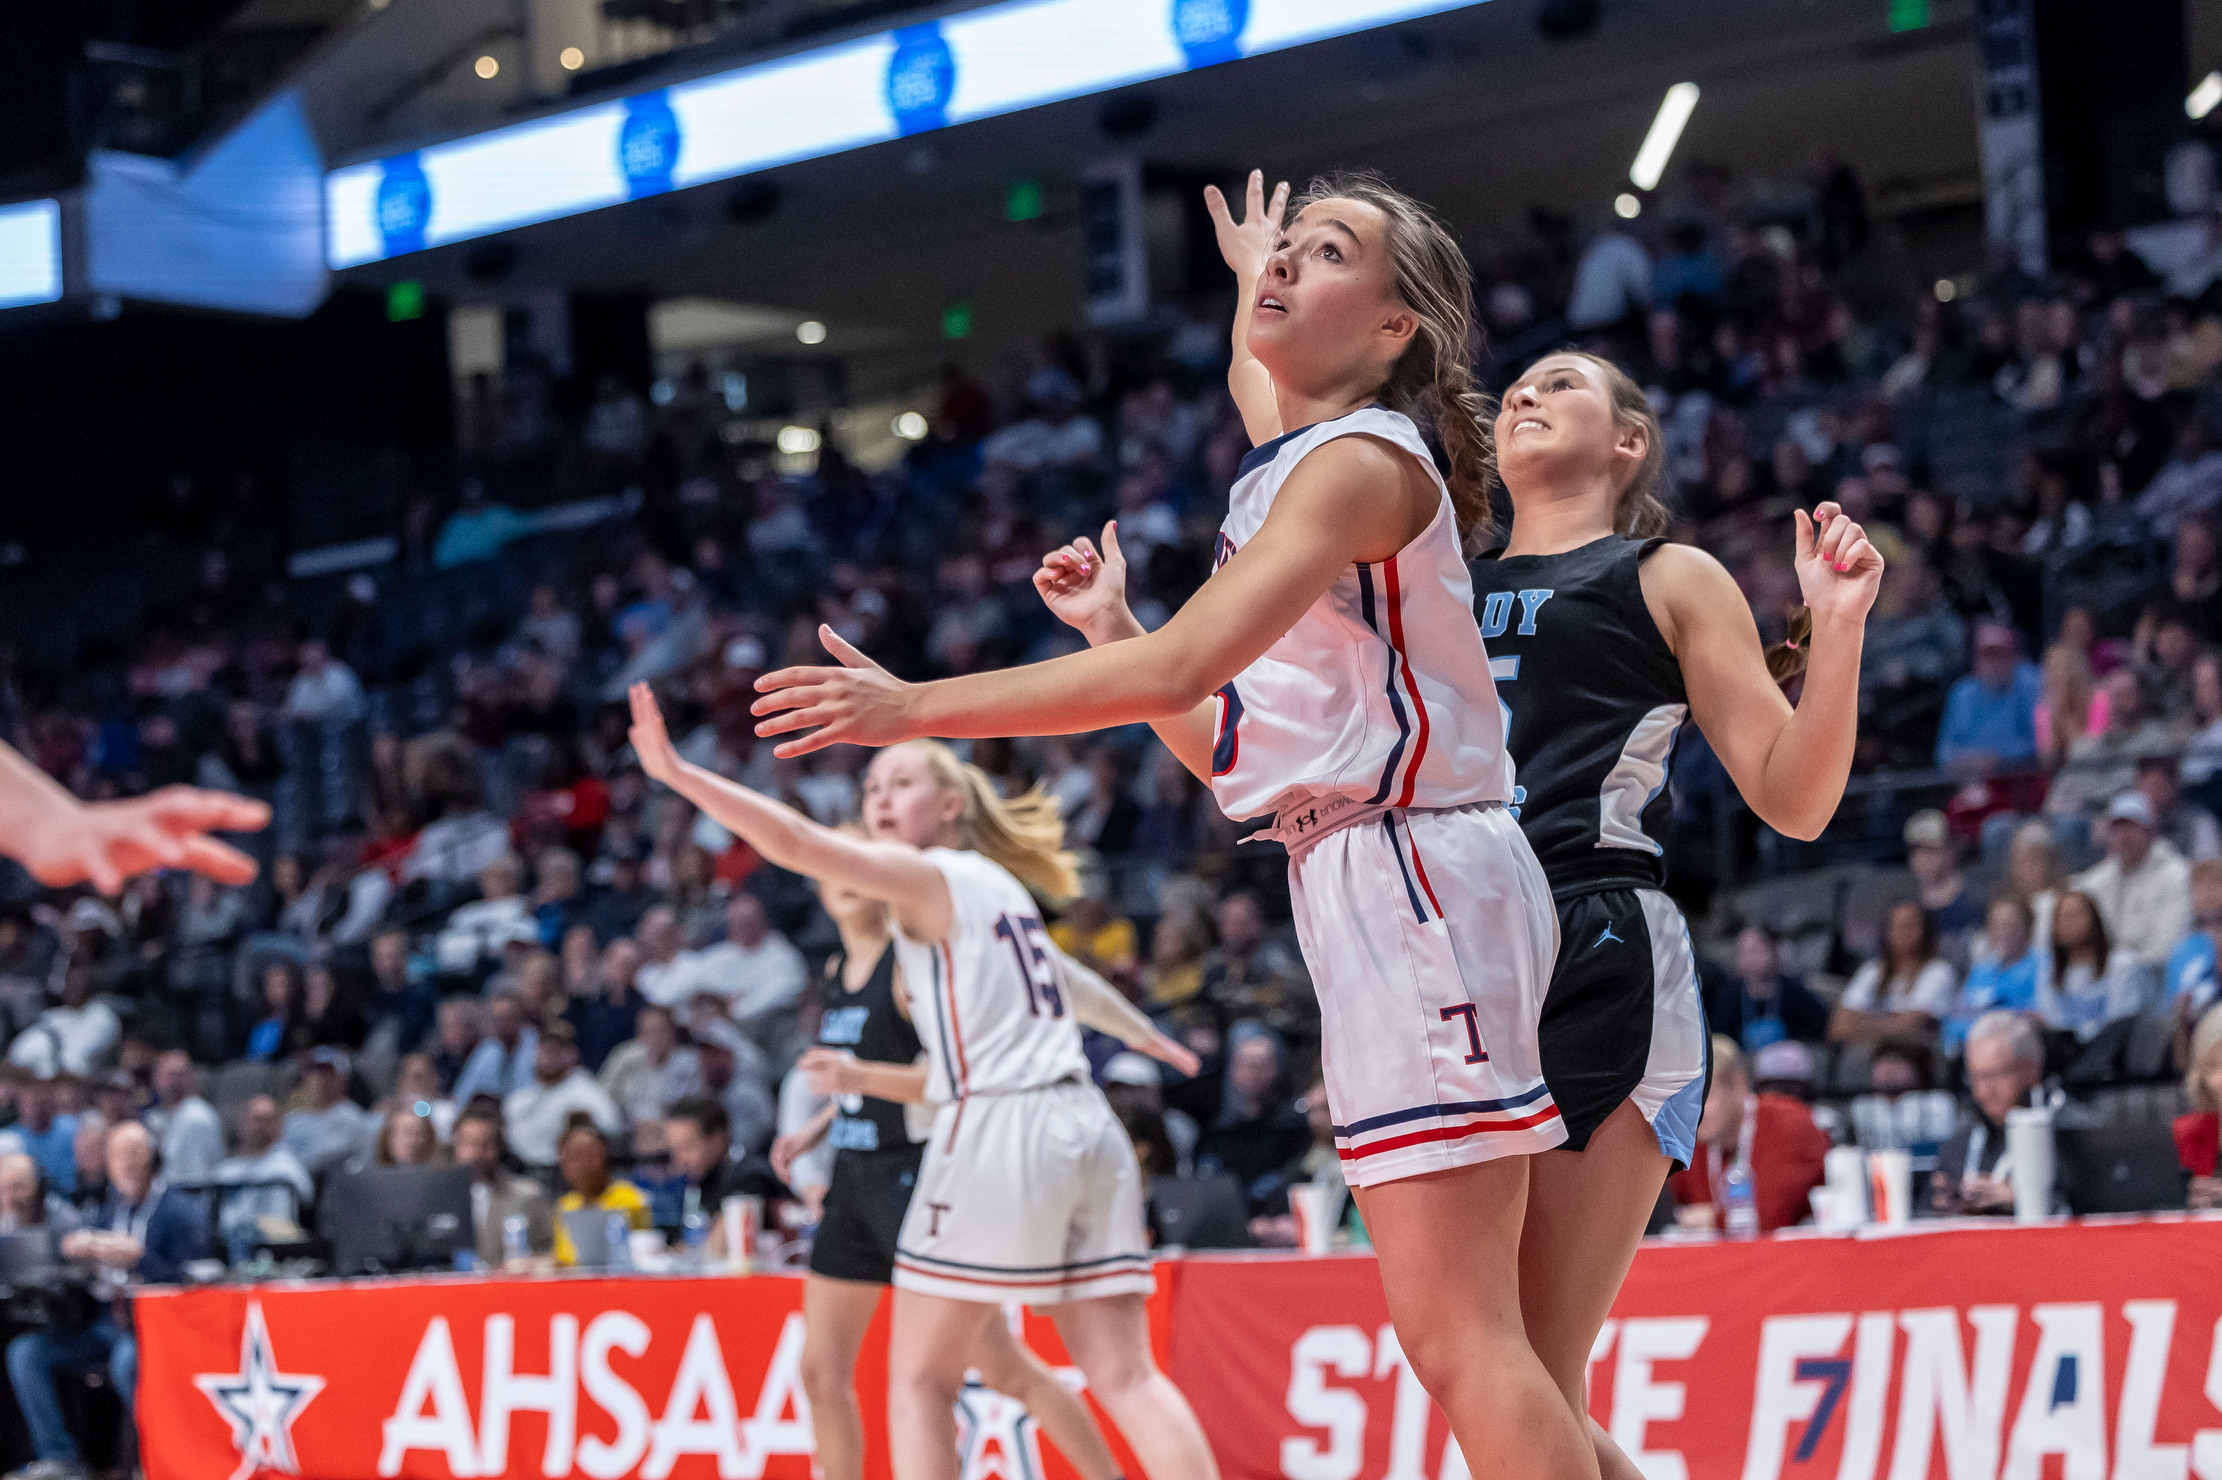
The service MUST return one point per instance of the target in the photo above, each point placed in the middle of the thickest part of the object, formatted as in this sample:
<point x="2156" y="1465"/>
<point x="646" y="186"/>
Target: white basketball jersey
<point x="985" y="999"/>
<point x="1380" y="695"/>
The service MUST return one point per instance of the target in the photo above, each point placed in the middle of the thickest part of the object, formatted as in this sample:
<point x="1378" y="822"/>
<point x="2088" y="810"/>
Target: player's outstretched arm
<point x="1790" y="764"/>
<point x="1353" y="499"/>
<point x="836" y="1071"/>
<point x="1246" y="246"/>
<point x="1099" y="1005"/>
<point x="894" y="873"/>
<point x="63" y="841"/>
<point x="1086" y="589"/>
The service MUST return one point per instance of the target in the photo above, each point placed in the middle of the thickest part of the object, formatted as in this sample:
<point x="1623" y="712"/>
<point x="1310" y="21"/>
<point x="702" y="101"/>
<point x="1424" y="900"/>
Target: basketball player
<point x="64" y="841"/>
<point x="1028" y="1190"/>
<point x="1329" y="676"/>
<point x="868" y="1060"/>
<point x="1605" y="638"/>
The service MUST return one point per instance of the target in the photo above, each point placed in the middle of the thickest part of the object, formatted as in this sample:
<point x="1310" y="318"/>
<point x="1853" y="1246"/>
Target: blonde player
<point x="1028" y="1191"/>
<point x="1329" y="675"/>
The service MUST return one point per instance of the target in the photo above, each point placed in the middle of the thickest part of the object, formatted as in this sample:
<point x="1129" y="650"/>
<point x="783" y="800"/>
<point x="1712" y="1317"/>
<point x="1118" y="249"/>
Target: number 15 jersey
<point x="1380" y="695"/>
<point x="985" y="998"/>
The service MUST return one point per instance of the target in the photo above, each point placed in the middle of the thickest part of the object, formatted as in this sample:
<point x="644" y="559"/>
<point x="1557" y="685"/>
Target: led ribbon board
<point x="30" y="253"/>
<point x="910" y="80"/>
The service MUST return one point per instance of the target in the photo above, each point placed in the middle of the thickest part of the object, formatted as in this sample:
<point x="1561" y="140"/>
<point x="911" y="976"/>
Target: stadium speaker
<point x="490" y="262"/>
<point x="752" y="201"/>
<point x="1128" y="116"/>
<point x="1567" y="20"/>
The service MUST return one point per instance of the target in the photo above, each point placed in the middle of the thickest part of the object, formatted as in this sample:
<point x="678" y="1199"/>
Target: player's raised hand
<point x="651" y="740"/>
<point x="105" y="843"/>
<point x="1175" y="1054"/>
<point x="1246" y="245"/>
<point x="1081" y="584"/>
<point x="1838" y="570"/>
<point x="859" y="703"/>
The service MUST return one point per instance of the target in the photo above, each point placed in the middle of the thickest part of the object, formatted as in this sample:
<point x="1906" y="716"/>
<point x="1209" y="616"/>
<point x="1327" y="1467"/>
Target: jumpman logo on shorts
<point x="1608" y="935"/>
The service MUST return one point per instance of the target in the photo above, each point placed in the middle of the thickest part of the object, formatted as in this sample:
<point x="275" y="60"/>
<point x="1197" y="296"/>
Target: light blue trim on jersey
<point x="1676" y="1123"/>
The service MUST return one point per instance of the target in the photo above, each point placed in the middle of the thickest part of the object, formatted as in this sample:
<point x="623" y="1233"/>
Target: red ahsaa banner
<point x="2082" y="1352"/>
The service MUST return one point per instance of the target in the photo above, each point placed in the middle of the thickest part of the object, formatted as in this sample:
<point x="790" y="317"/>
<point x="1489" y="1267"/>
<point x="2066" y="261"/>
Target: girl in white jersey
<point x="1029" y="1190"/>
<point x="1330" y="675"/>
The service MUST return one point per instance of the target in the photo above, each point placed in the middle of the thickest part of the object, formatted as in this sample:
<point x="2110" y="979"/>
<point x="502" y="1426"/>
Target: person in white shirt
<point x="666" y="972"/>
<point x="261" y="1158"/>
<point x="646" y="1075"/>
<point x="324" y="690"/>
<point x="755" y="969"/>
<point x="1612" y="282"/>
<point x="329" y="1131"/>
<point x="2143" y="886"/>
<point x="186" y="1126"/>
<point x="2094" y="981"/>
<point x="1905" y="992"/>
<point x="477" y="931"/>
<point x="533" y="1117"/>
<point x="75" y="1036"/>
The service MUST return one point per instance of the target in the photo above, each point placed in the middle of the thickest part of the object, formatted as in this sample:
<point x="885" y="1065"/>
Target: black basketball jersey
<point x="1593" y="703"/>
<point x="866" y="1023"/>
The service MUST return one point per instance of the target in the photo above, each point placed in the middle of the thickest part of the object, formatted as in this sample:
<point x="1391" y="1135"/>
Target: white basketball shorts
<point x="1031" y="1197"/>
<point x="1430" y="936"/>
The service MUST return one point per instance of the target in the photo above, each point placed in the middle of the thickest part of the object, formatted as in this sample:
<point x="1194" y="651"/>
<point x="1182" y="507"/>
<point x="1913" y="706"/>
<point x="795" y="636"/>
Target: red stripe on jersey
<point x="956" y="1029"/>
<point x="1413" y="839"/>
<point x="1411" y="684"/>
<point x="1140" y="1265"/>
<point x="1446" y="1133"/>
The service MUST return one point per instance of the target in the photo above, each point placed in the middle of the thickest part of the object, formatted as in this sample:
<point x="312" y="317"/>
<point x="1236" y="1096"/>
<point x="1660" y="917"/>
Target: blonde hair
<point x="1432" y="381"/>
<point x="2206" y="1041"/>
<point x="1728" y="1060"/>
<point x="1638" y="512"/>
<point x="1025" y="833"/>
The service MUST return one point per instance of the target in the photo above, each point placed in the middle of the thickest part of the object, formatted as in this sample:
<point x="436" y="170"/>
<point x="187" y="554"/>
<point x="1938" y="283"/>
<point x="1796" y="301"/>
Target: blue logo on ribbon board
<point x="1210" y="31"/>
<point x="404" y="205"/>
<point x="648" y="145"/>
<point x="921" y="78"/>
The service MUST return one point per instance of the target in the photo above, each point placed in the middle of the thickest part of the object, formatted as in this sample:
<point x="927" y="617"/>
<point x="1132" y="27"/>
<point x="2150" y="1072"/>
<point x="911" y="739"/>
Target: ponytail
<point x="1786" y="659"/>
<point x="1433" y="380"/>
<point x="1024" y="834"/>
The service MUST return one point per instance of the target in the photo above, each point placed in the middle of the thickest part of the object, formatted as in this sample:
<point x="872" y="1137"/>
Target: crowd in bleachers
<point x="481" y="936"/>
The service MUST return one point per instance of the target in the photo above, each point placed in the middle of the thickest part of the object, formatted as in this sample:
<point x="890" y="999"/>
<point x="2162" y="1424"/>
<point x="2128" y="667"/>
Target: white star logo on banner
<point x="260" y="1402"/>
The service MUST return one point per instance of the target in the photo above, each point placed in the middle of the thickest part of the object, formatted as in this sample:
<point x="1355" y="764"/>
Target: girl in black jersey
<point x="1603" y="638"/>
<point x="866" y="1042"/>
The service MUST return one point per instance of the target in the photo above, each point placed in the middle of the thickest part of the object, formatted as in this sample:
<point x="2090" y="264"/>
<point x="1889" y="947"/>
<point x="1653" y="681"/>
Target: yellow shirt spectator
<point x="619" y="1197"/>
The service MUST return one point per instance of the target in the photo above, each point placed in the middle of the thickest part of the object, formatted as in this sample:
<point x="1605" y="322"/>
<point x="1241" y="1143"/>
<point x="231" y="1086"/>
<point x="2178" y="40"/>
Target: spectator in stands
<point x="755" y="969"/>
<point x="2104" y="765"/>
<point x="503" y="1062"/>
<point x="1933" y="857"/>
<point x="2005" y="1064"/>
<point x="143" y="1233"/>
<point x="2142" y="887"/>
<point x="1251" y="974"/>
<point x="666" y="973"/>
<point x="89" y="1155"/>
<point x="406" y="1138"/>
<point x="2196" y="1130"/>
<point x="700" y="1137"/>
<point x="1612" y="284"/>
<point x="329" y="1015"/>
<point x="2033" y="876"/>
<point x="583" y="1153"/>
<point x="1090" y="934"/>
<point x="277" y="1032"/>
<point x="1905" y="992"/>
<point x="1321" y="1167"/>
<point x="2193" y="985"/>
<point x="49" y="1138"/>
<point x="328" y="1130"/>
<point x="615" y="909"/>
<point x="497" y="1195"/>
<point x="646" y="1075"/>
<point x="1762" y="1004"/>
<point x="475" y="934"/>
<point x="2070" y="709"/>
<point x="608" y="1016"/>
<point x="186" y="1127"/>
<point x="1903" y="1110"/>
<point x="464" y="837"/>
<point x="1133" y="1081"/>
<point x="274" y="1188"/>
<point x="1990" y="716"/>
<point x="325" y="692"/>
<point x="1259" y="1135"/>
<point x="459" y="1025"/>
<point x="2184" y="825"/>
<point x="27" y="1207"/>
<point x="1783" y="1153"/>
<point x="402" y="999"/>
<point x="77" y="1035"/>
<point x="2011" y="973"/>
<point x="534" y="1117"/>
<point x="478" y="529"/>
<point x="736" y="1074"/>
<point x="2093" y="981"/>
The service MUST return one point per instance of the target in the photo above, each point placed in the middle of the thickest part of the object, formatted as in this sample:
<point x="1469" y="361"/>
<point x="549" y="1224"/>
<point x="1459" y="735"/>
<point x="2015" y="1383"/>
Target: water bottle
<point x="620" y="1241"/>
<point x="694" y="1227"/>
<point x="1739" y="1214"/>
<point x="516" y="1240"/>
